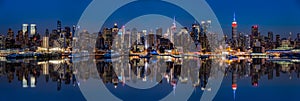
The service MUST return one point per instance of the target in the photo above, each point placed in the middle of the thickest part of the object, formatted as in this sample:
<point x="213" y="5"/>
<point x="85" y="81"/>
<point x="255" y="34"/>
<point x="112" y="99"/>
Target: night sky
<point x="281" y="16"/>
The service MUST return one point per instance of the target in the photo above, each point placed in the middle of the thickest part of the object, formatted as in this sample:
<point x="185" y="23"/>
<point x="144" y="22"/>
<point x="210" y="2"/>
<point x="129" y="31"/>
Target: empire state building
<point x="234" y="33"/>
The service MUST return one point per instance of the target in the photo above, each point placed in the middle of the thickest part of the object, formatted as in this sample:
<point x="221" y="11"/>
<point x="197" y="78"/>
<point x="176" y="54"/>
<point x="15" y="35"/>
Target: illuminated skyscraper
<point x="58" y="27"/>
<point x="32" y="29"/>
<point x="115" y="29"/>
<point x="234" y="32"/>
<point x="45" y="42"/>
<point x="25" y="28"/>
<point x="173" y="30"/>
<point x="73" y="31"/>
<point x="247" y="43"/>
<point x="254" y="34"/>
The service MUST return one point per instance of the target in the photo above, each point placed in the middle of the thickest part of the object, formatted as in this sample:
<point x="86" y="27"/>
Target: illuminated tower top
<point x="234" y="23"/>
<point x="174" y="25"/>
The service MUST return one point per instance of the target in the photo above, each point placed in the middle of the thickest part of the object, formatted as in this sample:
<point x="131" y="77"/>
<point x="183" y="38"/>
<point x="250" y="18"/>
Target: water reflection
<point x="28" y="71"/>
<point x="161" y="70"/>
<point x="175" y="70"/>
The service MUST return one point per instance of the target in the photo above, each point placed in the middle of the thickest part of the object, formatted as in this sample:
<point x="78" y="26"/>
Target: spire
<point x="234" y="17"/>
<point x="174" y="22"/>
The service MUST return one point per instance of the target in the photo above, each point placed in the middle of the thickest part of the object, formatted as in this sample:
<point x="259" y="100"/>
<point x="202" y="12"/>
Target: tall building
<point x="115" y="29"/>
<point x="173" y="30"/>
<point x="247" y="42"/>
<point x="58" y="27"/>
<point x="254" y="34"/>
<point x="290" y="36"/>
<point x="196" y="33"/>
<point x="47" y="32"/>
<point x="2" y="41"/>
<point x="270" y="36"/>
<point x="10" y="34"/>
<point x="159" y="31"/>
<point x="278" y="40"/>
<point x="10" y="39"/>
<point x="25" y="28"/>
<point x="32" y="29"/>
<point x="234" y="32"/>
<point x="254" y="31"/>
<point x="45" y="42"/>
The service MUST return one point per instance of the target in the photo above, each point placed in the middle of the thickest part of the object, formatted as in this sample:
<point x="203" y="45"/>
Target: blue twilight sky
<point x="279" y="16"/>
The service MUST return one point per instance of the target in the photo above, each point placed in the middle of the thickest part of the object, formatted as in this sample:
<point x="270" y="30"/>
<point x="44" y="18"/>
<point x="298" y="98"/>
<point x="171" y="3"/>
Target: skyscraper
<point x="278" y="40"/>
<point x="270" y="36"/>
<point x="196" y="33"/>
<point x="173" y="30"/>
<point x="298" y="37"/>
<point x="32" y="29"/>
<point x="58" y="27"/>
<point x="115" y="29"/>
<point x="234" y="32"/>
<point x="254" y="32"/>
<point x="159" y="31"/>
<point x="25" y="28"/>
<point x="247" y="42"/>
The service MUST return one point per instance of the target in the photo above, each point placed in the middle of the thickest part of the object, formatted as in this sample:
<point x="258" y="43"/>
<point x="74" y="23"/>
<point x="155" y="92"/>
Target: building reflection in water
<point x="173" y="70"/>
<point x="28" y="71"/>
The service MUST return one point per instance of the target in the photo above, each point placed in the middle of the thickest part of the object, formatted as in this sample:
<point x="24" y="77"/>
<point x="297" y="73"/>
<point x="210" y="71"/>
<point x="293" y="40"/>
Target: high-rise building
<point x="73" y="30"/>
<point x="254" y="32"/>
<point x="173" y="30"/>
<point x="278" y="40"/>
<point x="32" y="29"/>
<point x="45" y="42"/>
<point x="10" y="34"/>
<point x="270" y="36"/>
<point x="290" y="36"/>
<point x="68" y="32"/>
<point x="25" y="28"/>
<point x="159" y="31"/>
<point x="58" y="27"/>
<point x="234" y="32"/>
<point x="47" y="32"/>
<point x="2" y="41"/>
<point x="115" y="29"/>
<point x="247" y="42"/>
<point x="196" y="33"/>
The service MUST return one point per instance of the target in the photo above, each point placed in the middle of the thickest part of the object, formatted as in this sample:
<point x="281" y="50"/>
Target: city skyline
<point x="280" y="19"/>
